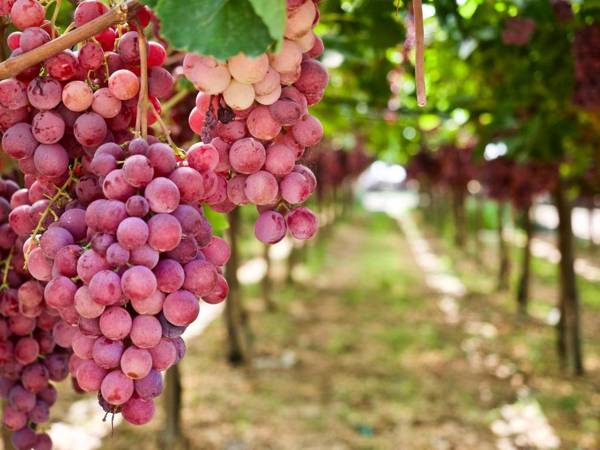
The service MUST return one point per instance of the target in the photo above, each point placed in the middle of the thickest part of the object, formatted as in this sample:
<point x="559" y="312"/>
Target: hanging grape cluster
<point x="252" y="116"/>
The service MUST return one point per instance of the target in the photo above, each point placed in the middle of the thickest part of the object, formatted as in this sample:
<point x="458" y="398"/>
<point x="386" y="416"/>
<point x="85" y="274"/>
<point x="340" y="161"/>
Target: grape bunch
<point x="252" y="116"/>
<point x="110" y="223"/>
<point x="33" y="351"/>
<point x="586" y="52"/>
<point x="518" y="31"/>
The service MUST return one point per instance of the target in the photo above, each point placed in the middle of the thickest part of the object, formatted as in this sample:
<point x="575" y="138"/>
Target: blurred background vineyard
<point x="451" y="299"/>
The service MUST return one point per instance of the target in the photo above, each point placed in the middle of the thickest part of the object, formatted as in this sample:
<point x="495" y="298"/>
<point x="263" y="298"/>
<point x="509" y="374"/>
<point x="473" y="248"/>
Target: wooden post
<point x="503" y="257"/>
<point x="236" y="319"/>
<point x="172" y="436"/>
<point x="569" y="328"/>
<point x="523" y="288"/>
<point x="265" y="283"/>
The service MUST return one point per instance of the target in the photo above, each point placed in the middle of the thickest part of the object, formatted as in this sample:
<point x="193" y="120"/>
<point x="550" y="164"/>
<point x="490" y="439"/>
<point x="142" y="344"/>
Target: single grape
<point x="77" y="96"/>
<point x="270" y="227"/>
<point x="116" y="388"/>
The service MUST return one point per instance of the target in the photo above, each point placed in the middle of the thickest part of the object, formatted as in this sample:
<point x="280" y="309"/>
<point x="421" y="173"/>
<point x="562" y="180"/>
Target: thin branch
<point x="119" y="14"/>
<point x="419" y="53"/>
<point x="143" y="95"/>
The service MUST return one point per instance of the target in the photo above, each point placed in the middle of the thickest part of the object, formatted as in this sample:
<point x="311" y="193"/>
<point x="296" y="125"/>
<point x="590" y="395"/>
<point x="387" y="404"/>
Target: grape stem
<point x="57" y="6"/>
<point x="142" y="106"/>
<point x="419" y="52"/>
<point x="165" y="129"/>
<point x="52" y="201"/>
<point x="118" y="14"/>
<point x="6" y="268"/>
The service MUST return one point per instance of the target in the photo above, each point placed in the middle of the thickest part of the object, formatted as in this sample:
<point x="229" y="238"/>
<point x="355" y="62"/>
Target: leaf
<point x="218" y="221"/>
<point x="220" y="28"/>
<point x="273" y="15"/>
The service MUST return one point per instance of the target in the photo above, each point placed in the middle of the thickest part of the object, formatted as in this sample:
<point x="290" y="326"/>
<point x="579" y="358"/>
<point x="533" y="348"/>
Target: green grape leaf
<point x="273" y="14"/>
<point x="218" y="221"/>
<point x="220" y="28"/>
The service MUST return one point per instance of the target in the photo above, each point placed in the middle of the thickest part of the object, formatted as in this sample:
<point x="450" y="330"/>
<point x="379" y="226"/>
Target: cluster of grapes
<point x="586" y="52"/>
<point x="518" y="31"/>
<point x="32" y="349"/>
<point x="109" y="225"/>
<point x="252" y="115"/>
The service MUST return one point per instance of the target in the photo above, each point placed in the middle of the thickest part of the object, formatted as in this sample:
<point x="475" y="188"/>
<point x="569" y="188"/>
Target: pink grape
<point x="151" y="386"/>
<point x="48" y="127"/>
<point x="138" y="411"/>
<point x="136" y="363"/>
<point x="138" y="171"/>
<point x="44" y="92"/>
<point x="162" y="195"/>
<point x="247" y="156"/>
<point x="60" y="292"/>
<point x="200" y="277"/>
<point x="54" y="239"/>
<point x="123" y="84"/>
<point x="262" y="125"/>
<point x="203" y="157"/>
<point x="308" y="131"/>
<point x="169" y="275"/>
<point x="220" y="292"/>
<point x="160" y="82"/>
<point x="106" y="104"/>
<point x="63" y="334"/>
<point x="115" y="323"/>
<point x="248" y="70"/>
<point x="88" y="10"/>
<point x="138" y="282"/>
<point x="144" y="256"/>
<point x="13" y="94"/>
<point x="270" y="227"/>
<point x="163" y="355"/>
<point x="27" y="350"/>
<point x="116" y="187"/>
<point x="91" y="56"/>
<point x="106" y="353"/>
<point x="63" y="66"/>
<point x="117" y="255"/>
<point x="288" y="58"/>
<point x="137" y="206"/>
<point x="280" y="160"/>
<point x="217" y="251"/>
<point x="27" y="13"/>
<point x="85" y="305"/>
<point x="77" y="96"/>
<point x="146" y="331"/>
<point x="165" y="232"/>
<point x="18" y="141"/>
<point x="89" y="264"/>
<point x="116" y="388"/>
<point x="156" y="54"/>
<point x="132" y="233"/>
<point x="90" y="129"/>
<point x="261" y="188"/>
<point x="90" y="376"/>
<point x="105" y="288"/>
<point x="295" y="188"/>
<point x="206" y="73"/>
<point x="181" y="308"/>
<point x="313" y="78"/>
<point x="238" y="96"/>
<point x="150" y="305"/>
<point x="287" y="111"/>
<point x="235" y="190"/>
<point x="162" y="159"/>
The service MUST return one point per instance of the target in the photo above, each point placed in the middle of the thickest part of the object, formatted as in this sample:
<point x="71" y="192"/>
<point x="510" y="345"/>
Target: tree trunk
<point x="172" y="436"/>
<point x="235" y="317"/>
<point x="569" y="298"/>
<point x="503" y="257"/>
<point x="292" y="260"/>
<point x="266" y="282"/>
<point x="523" y="289"/>
<point x="458" y="207"/>
<point x="592" y="241"/>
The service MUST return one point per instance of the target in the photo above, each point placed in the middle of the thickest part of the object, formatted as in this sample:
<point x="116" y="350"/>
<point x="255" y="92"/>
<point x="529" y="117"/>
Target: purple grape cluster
<point x="518" y="31"/>
<point x="33" y="348"/>
<point x="586" y="52"/>
<point x="110" y="227"/>
<point x="252" y="115"/>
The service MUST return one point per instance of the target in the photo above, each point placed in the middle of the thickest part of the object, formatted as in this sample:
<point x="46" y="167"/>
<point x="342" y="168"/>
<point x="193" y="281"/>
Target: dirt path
<point x="360" y="357"/>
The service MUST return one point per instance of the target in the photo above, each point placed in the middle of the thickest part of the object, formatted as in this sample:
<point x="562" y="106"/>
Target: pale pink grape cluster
<point x="252" y="115"/>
